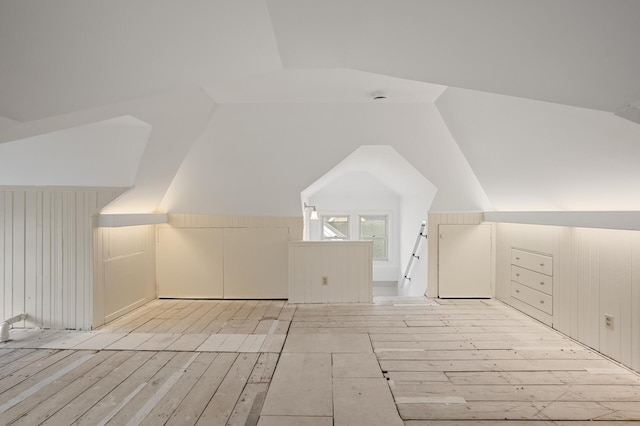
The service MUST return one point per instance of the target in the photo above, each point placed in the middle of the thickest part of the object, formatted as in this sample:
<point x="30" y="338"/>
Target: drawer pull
<point x="542" y="264"/>
<point x="517" y="275"/>
<point x="541" y="282"/>
<point x="542" y="301"/>
<point x="517" y="291"/>
<point x="517" y="258"/>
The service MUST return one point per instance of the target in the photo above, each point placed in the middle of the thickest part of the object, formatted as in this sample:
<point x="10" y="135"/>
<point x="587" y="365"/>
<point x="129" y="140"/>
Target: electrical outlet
<point x="608" y="321"/>
<point x="325" y="280"/>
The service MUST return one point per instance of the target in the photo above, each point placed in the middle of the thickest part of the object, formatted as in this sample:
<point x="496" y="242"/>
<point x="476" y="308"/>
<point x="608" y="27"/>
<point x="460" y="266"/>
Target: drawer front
<point x="543" y="317"/>
<point x="532" y="297"/>
<point x="533" y="261"/>
<point x="535" y="280"/>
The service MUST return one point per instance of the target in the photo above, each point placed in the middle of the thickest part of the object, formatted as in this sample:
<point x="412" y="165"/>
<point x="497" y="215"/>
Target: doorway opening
<point x="375" y="194"/>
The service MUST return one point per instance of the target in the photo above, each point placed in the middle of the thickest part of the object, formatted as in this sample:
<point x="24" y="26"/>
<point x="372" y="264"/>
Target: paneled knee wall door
<point x="216" y="263"/>
<point x="464" y="261"/>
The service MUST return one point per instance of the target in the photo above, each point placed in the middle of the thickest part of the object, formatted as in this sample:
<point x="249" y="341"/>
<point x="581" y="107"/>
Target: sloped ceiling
<point x="262" y="97"/>
<point x="576" y="52"/>
<point x="69" y="55"/>
<point x="257" y="158"/>
<point x="532" y="155"/>
<point x="107" y="153"/>
<point x="387" y="168"/>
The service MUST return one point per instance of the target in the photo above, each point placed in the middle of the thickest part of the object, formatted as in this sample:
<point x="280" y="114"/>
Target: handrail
<point x="421" y="234"/>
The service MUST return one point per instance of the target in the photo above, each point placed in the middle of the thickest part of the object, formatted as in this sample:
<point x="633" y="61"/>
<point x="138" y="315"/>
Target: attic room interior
<point x="294" y="212"/>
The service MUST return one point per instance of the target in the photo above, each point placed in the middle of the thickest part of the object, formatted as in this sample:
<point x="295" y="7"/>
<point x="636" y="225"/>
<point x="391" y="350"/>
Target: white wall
<point x="595" y="272"/>
<point x="124" y="270"/>
<point x="46" y="255"/>
<point x="260" y="169"/>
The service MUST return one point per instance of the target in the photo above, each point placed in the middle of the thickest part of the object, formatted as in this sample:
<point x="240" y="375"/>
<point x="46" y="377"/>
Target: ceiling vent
<point x="379" y="96"/>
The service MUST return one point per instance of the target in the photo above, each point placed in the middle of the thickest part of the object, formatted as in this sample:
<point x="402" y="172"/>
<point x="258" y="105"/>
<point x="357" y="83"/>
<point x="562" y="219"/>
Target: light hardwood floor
<point x="443" y="362"/>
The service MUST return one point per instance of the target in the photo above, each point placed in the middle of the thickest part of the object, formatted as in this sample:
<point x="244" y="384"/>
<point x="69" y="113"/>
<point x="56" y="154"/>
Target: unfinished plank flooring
<point x="188" y="362"/>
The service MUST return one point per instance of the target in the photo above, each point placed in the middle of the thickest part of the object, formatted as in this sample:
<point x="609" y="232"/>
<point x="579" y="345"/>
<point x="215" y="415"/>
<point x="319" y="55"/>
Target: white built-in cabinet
<point x="583" y="275"/>
<point x="223" y="262"/>
<point x="464" y="261"/>
<point x="190" y="263"/>
<point x="255" y="263"/>
<point x="532" y="284"/>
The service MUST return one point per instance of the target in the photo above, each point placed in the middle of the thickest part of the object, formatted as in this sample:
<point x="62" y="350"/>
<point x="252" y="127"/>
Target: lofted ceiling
<point x="500" y="104"/>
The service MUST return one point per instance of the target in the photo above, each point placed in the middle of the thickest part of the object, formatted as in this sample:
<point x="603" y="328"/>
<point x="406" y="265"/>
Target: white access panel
<point x="464" y="266"/>
<point x="190" y="263"/>
<point x="256" y="263"/>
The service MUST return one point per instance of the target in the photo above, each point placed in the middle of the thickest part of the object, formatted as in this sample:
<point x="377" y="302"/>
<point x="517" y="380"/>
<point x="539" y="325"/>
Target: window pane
<point x="379" y="249"/>
<point x="373" y="226"/>
<point x="335" y="228"/>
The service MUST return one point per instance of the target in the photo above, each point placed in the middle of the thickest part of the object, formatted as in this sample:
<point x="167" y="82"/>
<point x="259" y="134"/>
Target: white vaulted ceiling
<point x="63" y="56"/>
<point x="500" y="104"/>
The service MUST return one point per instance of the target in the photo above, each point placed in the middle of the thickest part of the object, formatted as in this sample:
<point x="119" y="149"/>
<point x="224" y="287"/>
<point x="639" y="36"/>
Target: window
<point x="375" y="228"/>
<point x="335" y="228"/>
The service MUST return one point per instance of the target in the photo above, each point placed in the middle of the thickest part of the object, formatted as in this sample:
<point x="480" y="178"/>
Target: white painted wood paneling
<point x="635" y="301"/>
<point x="124" y="270"/>
<point x="253" y="254"/>
<point x="191" y="263"/>
<point x="347" y="266"/>
<point x="46" y="254"/>
<point x="464" y="267"/>
<point x="294" y="224"/>
<point x="595" y="272"/>
<point x="604" y="273"/>
<point x="124" y="290"/>
<point x="433" y="222"/>
<point x="552" y="241"/>
<point x="265" y="250"/>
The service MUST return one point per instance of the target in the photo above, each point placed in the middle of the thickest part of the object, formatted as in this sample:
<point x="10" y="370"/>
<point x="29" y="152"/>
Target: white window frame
<point x="385" y="237"/>
<point x="322" y="219"/>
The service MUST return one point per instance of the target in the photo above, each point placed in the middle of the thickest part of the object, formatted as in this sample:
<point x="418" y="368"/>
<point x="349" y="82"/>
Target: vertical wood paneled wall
<point x="294" y="224"/>
<point x="347" y="266"/>
<point x="433" y="223"/>
<point x="124" y="270"/>
<point x="596" y="272"/>
<point x="46" y="254"/>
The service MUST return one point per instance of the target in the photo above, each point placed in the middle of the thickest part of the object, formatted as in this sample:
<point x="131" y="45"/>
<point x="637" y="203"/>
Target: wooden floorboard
<point x="254" y="362"/>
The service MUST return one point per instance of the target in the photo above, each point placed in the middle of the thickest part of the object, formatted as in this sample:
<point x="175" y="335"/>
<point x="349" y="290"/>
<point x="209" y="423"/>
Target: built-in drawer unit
<point x="532" y="284"/>
<point x="535" y="280"/>
<point x="532" y="297"/>
<point x="532" y="261"/>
